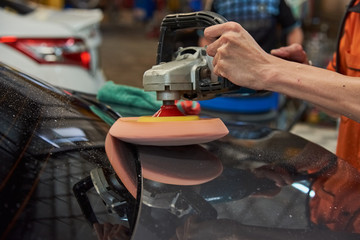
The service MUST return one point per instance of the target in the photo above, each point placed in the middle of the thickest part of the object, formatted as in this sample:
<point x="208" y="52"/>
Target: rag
<point x="133" y="101"/>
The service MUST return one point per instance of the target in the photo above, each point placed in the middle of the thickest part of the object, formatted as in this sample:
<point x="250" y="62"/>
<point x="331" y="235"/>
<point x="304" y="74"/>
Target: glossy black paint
<point x="50" y="140"/>
<point x="274" y="185"/>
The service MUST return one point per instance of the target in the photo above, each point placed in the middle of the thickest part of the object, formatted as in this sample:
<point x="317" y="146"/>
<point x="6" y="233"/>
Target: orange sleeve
<point x="332" y="64"/>
<point x="336" y="202"/>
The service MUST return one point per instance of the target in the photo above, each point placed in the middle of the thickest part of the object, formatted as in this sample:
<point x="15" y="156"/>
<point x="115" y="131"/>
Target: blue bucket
<point x="245" y="105"/>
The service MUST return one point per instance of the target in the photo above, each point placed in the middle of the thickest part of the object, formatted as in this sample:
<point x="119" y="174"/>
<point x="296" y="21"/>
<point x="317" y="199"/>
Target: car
<point x="59" y="46"/>
<point x="64" y="177"/>
<point x="50" y="140"/>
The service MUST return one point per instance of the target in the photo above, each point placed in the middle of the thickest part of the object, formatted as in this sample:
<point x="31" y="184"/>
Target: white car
<point x="59" y="46"/>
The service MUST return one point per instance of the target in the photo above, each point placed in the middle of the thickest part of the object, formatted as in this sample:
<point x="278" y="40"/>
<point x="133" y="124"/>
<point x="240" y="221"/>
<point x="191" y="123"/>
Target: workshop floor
<point x="126" y="53"/>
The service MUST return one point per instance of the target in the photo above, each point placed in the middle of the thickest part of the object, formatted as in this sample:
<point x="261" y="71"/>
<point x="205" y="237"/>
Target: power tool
<point x="187" y="72"/>
<point x="184" y="73"/>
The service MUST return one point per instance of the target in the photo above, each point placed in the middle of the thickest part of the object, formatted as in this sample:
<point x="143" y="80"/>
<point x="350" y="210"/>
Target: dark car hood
<point x="50" y="140"/>
<point x="273" y="185"/>
<point x="262" y="183"/>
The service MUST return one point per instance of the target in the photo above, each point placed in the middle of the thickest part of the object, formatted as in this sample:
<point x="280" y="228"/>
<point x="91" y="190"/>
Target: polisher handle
<point x="201" y="19"/>
<point x="173" y="22"/>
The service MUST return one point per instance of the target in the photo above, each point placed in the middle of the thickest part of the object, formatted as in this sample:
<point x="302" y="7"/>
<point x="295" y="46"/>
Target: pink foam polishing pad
<point x="177" y="165"/>
<point x="168" y="131"/>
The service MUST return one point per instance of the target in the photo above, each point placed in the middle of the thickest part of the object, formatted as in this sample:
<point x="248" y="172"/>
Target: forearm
<point x="322" y="87"/>
<point x="240" y="59"/>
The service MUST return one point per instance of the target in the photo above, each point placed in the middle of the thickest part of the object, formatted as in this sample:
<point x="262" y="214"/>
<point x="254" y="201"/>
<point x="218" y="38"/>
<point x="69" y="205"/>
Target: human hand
<point x="279" y="174"/>
<point x="293" y="52"/>
<point x="237" y="56"/>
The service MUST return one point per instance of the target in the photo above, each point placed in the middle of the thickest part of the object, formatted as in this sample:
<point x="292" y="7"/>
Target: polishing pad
<point x="168" y="133"/>
<point x="123" y="162"/>
<point x="177" y="165"/>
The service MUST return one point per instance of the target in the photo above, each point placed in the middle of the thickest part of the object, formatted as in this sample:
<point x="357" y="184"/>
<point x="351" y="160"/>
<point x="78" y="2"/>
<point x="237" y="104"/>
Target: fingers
<point x="215" y="31"/>
<point x="280" y="52"/>
<point x="215" y="60"/>
<point x="212" y="48"/>
<point x="293" y="52"/>
<point x="288" y="50"/>
<point x="218" y="59"/>
<point x="278" y="174"/>
<point x="231" y="46"/>
<point x="213" y="34"/>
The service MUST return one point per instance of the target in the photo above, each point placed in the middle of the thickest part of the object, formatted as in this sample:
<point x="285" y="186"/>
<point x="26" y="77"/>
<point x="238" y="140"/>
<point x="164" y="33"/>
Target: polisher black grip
<point x="198" y="20"/>
<point x="174" y="22"/>
<point x="194" y="19"/>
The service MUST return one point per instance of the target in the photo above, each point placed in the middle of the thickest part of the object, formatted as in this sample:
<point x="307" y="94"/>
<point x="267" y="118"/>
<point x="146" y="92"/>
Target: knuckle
<point x="226" y="38"/>
<point x="219" y="69"/>
<point x="210" y="50"/>
<point x="297" y="47"/>
<point x="233" y="26"/>
<point x="216" y="70"/>
<point x="220" y="51"/>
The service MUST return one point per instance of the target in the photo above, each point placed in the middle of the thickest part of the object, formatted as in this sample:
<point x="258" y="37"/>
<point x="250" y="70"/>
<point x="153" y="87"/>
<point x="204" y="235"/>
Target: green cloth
<point x="127" y="100"/>
<point x="102" y="115"/>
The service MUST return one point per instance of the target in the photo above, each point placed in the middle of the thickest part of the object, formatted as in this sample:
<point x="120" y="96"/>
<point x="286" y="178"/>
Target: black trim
<point x="355" y="8"/>
<point x="350" y="8"/>
<point x="354" y="69"/>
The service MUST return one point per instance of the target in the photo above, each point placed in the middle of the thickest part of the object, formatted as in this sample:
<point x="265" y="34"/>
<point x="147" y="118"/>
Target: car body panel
<point x="50" y="141"/>
<point x="23" y="26"/>
<point x="271" y="188"/>
<point x="47" y="23"/>
<point x="66" y="76"/>
<point x="274" y="184"/>
<point x="74" y="19"/>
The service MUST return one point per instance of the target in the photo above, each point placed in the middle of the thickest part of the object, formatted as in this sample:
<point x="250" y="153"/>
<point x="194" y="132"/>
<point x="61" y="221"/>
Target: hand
<point x="279" y="174"/>
<point x="237" y="56"/>
<point x="293" y="52"/>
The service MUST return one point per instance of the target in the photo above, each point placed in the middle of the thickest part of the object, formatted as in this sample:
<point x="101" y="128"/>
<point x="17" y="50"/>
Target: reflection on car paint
<point x="48" y="143"/>
<point x="57" y="181"/>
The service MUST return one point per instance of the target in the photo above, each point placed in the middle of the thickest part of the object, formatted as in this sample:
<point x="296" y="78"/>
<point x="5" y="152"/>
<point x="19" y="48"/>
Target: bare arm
<point x="240" y="59"/>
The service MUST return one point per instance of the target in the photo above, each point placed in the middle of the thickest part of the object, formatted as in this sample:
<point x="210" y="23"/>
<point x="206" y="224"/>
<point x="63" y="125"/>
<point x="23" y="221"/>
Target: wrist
<point x="270" y="73"/>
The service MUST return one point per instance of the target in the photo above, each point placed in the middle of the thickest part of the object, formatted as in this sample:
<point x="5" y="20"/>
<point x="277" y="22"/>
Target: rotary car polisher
<point x="184" y="73"/>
